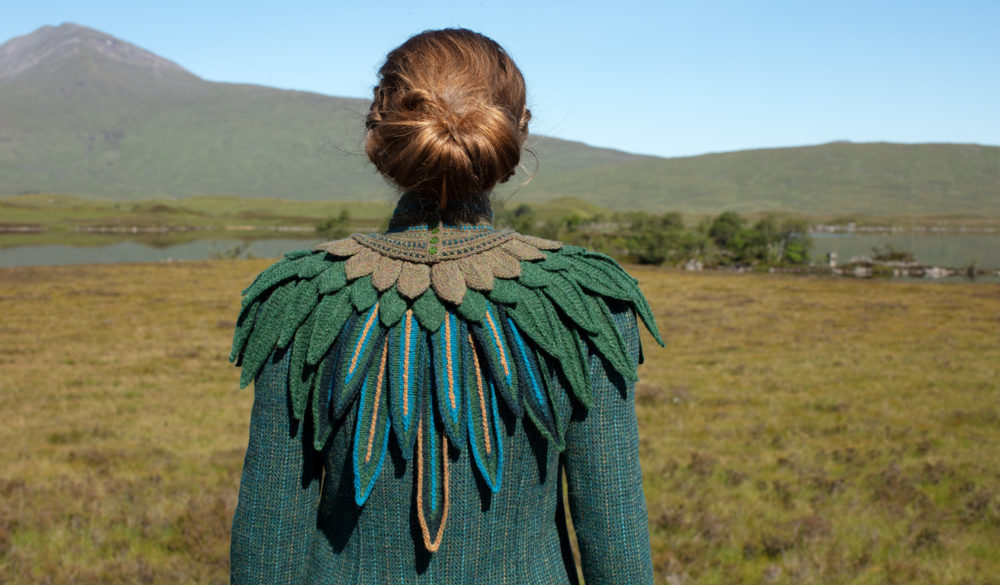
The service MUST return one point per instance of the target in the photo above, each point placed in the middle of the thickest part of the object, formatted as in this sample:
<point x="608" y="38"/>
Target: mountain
<point x="85" y="113"/>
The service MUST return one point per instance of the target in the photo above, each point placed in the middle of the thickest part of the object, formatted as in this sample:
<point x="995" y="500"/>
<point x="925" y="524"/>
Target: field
<point x="795" y="430"/>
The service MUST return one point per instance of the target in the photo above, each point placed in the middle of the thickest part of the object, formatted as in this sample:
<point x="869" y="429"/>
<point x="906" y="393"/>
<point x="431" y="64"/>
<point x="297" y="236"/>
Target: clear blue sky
<point x="657" y="77"/>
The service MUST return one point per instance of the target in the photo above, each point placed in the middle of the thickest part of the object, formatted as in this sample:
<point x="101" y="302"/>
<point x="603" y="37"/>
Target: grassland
<point x="795" y="430"/>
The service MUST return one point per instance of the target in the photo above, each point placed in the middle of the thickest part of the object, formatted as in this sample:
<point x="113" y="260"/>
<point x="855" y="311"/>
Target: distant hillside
<point x="835" y="178"/>
<point x="85" y="113"/>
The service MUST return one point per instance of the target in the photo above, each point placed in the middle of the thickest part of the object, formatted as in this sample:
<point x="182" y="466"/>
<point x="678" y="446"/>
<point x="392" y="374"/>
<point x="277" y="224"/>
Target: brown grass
<point x="796" y="430"/>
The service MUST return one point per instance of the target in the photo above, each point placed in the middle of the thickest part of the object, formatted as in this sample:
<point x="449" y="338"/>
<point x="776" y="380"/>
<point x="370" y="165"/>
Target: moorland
<point x="794" y="430"/>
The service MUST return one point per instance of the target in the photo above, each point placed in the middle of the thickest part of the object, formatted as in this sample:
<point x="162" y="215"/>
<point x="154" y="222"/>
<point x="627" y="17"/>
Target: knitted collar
<point x="421" y="232"/>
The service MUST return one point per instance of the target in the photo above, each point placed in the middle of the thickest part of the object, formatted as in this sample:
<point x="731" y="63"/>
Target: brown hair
<point x="448" y="117"/>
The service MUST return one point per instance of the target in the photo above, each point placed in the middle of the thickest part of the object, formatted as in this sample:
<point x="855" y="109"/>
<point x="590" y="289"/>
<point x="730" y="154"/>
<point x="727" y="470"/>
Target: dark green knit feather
<point x="506" y="291"/>
<point x="331" y="314"/>
<point x="611" y="346"/>
<point x="303" y="301"/>
<point x="569" y="298"/>
<point x="429" y="311"/>
<point x="555" y="261"/>
<point x="532" y="276"/>
<point x="646" y="314"/>
<point x="312" y="265"/>
<point x="332" y="279"/>
<point x="532" y="317"/>
<point x="595" y="277"/>
<point x="363" y="294"/>
<point x="244" y="327"/>
<point x="473" y="307"/>
<point x="265" y="334"/>
<point x="273" y="276"/>
<point x="391" y="307"/>
<point x="300" y="375"/>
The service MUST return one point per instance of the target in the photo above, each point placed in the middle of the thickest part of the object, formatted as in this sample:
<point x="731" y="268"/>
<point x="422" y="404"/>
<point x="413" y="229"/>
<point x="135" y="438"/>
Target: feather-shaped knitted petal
<point x="570" y="299"/>
<point x="532" y="276"/>
<point x="361" y="264"/>
<point x="522" y="250"/>
<point x="322" y="390"/>
<point x="432" y="480"/>
<point x="303" y="301"/>
<point x="540" y="243"/>
<point x="448" y="281"/>
<point x="646" y="314"/>
<point x="610" y="264"/>
<point x="429" y="311"/>
<point x="332" y="279"/>
<point x="407" y="349"/>
<point x="532" y="383"/>
<point x="363" y="294"/>
<point x="477" y="275"/>
<point x="361" y="341"/>
<point x="447" y="370"/>
<point x="391" y="307"/>
<point x="265" y="333"/>
<point x="596" y="276"/>
<point x="244" y="327"/>
<point x="575" y="367"/>
<point x="386" y="273"/>
<point x="507" y="292"/>
<point x="533" y="317"/>
<point x="502" y="264"/>
<point x="558" y="398"/>
<point x="311" y="265"/>
<point x="497" y="356"/>
<point x="260" y="284"/>
<point x="371" y="431"/>
<point x="611" y="346"/>
<point x="331" y="314"/>
<point x="473" y="308"/>
<point x="292" y="255"/>
<point x="482" y="419"/>
<point x="413" y="280"/>
<point x="556" y="262"/>
<point x="300" y="374"/>
<point x="341" y="248"/>
<point x="274" y="275"/>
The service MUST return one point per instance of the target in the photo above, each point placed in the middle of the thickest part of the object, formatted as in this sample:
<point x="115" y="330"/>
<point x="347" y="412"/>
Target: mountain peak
<point x="53" y="44"/>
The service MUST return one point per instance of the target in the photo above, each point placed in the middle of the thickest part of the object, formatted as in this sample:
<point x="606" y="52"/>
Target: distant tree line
<point x="727" y="239"/>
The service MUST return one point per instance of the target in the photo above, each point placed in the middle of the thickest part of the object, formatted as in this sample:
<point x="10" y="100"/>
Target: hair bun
<point x="448" y="119"/>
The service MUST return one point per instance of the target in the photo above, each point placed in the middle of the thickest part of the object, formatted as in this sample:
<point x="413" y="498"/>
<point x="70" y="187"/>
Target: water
<point x="135" y="251"/>
<point x="945" y="250"/>
<point x="951" y="250"/>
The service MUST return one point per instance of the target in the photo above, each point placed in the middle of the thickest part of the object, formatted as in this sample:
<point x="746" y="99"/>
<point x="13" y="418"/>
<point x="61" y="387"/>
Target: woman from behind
<point x="420" y="392"/>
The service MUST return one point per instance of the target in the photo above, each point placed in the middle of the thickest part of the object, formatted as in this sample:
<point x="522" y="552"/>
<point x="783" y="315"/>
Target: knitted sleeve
<point x="604" y="478"/>
<point x="279" y="491"/>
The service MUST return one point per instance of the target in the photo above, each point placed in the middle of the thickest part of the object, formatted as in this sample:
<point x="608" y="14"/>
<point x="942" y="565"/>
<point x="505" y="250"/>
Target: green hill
<point x="84" y="113"/>
<point x="835" y="178"/>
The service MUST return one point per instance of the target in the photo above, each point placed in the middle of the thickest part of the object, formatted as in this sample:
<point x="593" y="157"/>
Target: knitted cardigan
<point x="419" y="394"/>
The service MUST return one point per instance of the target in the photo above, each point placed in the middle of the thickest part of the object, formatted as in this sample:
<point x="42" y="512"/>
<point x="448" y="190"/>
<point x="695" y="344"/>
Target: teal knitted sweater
<point x="418" y="395"/>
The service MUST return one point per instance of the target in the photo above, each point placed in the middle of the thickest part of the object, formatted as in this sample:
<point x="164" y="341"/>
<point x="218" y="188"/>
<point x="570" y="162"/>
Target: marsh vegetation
<point x="795" y="430"/>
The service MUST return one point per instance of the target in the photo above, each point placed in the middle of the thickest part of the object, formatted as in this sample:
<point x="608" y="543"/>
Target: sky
<point x="658" y="77"/>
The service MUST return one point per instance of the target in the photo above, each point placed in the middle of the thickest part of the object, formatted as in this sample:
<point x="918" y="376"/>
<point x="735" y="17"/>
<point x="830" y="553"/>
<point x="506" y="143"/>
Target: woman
<point x="419" y="392"/>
